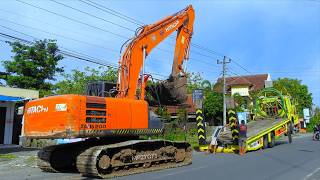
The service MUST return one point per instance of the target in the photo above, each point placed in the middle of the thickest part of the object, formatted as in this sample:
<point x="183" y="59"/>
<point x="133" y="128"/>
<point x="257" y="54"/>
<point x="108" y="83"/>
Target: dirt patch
<point x="18" y="157"/>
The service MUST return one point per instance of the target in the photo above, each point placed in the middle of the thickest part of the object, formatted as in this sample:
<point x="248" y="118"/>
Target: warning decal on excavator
<point x="120" y="132"/>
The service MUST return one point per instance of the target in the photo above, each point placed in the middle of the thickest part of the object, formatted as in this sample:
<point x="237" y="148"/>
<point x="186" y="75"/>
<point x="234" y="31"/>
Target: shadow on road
<point x="8" y="150"/>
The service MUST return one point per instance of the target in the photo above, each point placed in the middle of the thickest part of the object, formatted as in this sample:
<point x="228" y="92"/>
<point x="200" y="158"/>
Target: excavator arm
<point x="145" y="41"/>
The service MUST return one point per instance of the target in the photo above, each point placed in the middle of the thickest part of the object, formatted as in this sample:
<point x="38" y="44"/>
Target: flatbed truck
<point x="275" y="116"/>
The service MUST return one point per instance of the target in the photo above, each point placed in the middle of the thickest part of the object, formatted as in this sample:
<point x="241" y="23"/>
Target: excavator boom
<point x="146" y="40"/>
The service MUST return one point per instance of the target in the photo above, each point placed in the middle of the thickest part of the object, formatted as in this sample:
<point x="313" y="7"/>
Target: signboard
<point x="242" y="116"/>
<point x="306" y="115"/>
<point x="197" y="97"/>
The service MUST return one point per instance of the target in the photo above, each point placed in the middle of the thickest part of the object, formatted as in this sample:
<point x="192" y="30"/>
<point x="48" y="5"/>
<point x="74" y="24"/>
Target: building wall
<point x="13" y="125"/>
<point x="242" y="90"/>
<point x="18" y="92"/>
<point x="8" y="130"/>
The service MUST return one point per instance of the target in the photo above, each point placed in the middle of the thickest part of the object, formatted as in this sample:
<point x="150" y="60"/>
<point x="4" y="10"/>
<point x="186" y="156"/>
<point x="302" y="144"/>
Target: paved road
<point x="300" y="160"/>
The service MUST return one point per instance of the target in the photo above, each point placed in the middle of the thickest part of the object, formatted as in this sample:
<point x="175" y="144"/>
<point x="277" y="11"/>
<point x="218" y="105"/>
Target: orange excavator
<point x="111" y="126"/>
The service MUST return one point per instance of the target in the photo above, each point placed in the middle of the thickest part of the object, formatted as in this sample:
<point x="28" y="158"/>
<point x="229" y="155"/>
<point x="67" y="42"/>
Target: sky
<point x="277" y="37"/>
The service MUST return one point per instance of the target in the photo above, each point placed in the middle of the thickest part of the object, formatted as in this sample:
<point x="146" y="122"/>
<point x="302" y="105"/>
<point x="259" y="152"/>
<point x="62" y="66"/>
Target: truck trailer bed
<point x="257" y="126"/>
<point x="253" y="129"/>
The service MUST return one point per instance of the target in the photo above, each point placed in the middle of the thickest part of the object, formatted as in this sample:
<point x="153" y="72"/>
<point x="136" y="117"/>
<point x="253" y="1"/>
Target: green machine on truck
<point x="274" y="116"/>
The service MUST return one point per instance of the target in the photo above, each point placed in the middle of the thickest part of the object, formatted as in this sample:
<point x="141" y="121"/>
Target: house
<point x="188" y="106"/>
<point x="12" y="101"/>
<point x="243" y="85"/>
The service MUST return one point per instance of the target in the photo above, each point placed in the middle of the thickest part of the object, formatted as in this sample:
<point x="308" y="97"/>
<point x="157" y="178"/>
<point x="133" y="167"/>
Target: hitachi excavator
<point x="112" y="125"/>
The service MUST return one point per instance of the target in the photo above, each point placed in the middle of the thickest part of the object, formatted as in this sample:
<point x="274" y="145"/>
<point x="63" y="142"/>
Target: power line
<point x="118" y="15"/>
<point x="127" y="18"/>
<point x="62" y="36"/>
<point x="2" y="40"/>
<point x="235" y="62"/>
<point x="206" y="49"/>
<point x="132" y="19"/>
<point x="63" y="51"/>
<point x="72" y="19"/>
<point x="113" y="12"/>
<point x="58" y="34"/>
<point x="230" y="69"/>
<point x="53" y="25"/>
<point x="75" y="20"/>
<point x="113" y="23"/>
<point x="17" y="31"/>
<point x="68" y="53"/>
<point x="73" y="54"/>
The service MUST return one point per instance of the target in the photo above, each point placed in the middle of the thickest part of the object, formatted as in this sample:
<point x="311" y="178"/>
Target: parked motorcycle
<point x="317" y="136"/>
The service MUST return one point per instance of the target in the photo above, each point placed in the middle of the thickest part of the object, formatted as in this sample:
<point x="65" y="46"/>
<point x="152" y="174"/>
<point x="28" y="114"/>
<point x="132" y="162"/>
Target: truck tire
<point x="265" y="142"/>
<point x="293" y="129"/>
<point x="273" y="140"/>
<point x="290" y="132"/>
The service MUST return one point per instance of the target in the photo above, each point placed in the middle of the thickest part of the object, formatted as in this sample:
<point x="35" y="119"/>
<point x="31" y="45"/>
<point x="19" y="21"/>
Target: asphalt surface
<point x="297" y="161"/>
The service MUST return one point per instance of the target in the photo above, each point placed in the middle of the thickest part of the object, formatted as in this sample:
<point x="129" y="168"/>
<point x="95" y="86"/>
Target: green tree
<point x="315" y="120"/>
<point x="181" y="116"/>
<point x="33" y="66"/>
<point x="194" y="81"/>
<point x="240" y="102"/>
<point x="76" y="81"/>
<point x="162" y="111"/>
<point x="296" y="90"/>
<point x="213" y="105"/>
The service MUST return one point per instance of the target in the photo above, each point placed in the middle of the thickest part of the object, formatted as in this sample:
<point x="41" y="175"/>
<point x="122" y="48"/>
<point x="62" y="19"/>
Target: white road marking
<point x="179" y="172"/>
<point x="311" y="174"/>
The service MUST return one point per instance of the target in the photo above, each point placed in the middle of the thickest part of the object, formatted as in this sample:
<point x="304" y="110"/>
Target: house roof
<point x="19" y="92"/>
<point x="10" y="98"/>
<point x="255" y="82"/>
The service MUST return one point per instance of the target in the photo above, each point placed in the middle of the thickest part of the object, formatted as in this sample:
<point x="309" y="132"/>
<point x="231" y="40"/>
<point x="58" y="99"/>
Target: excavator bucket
<point x="172" y="91"/>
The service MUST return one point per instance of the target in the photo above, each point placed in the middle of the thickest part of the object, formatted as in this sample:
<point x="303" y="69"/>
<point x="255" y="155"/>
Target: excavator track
<point x="96" y="159"/>
<point x="44" y="159"/>
<point x="59" y="158"/>
<point x="133" y="157"/>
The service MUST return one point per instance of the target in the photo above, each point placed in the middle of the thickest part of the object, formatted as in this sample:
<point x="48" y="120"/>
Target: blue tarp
<point x="10" y="98"/>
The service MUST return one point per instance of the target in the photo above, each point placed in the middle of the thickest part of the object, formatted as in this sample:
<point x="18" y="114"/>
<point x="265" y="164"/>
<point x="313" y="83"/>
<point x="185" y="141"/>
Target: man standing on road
<point x="242" y="138"/>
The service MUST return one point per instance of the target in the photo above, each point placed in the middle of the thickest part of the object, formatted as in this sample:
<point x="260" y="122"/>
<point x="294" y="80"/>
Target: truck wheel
<point x="273" y="140"/>
<point x="265" y="141"/>
<point x="290" y="132"/>
<point x="293" y="129"/>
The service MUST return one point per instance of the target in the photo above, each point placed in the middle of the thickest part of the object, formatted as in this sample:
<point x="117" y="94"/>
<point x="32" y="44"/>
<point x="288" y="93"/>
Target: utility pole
<point x="224" y="70"/>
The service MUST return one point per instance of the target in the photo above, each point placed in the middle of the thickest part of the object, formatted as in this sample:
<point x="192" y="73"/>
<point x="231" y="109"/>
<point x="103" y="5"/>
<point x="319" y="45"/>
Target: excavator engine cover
<point x="76" y="116"/>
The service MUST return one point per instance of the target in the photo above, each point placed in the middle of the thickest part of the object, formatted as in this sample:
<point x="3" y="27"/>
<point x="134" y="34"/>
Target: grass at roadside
<point x="177" y="134"/>
<point x="7" y="156"/>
